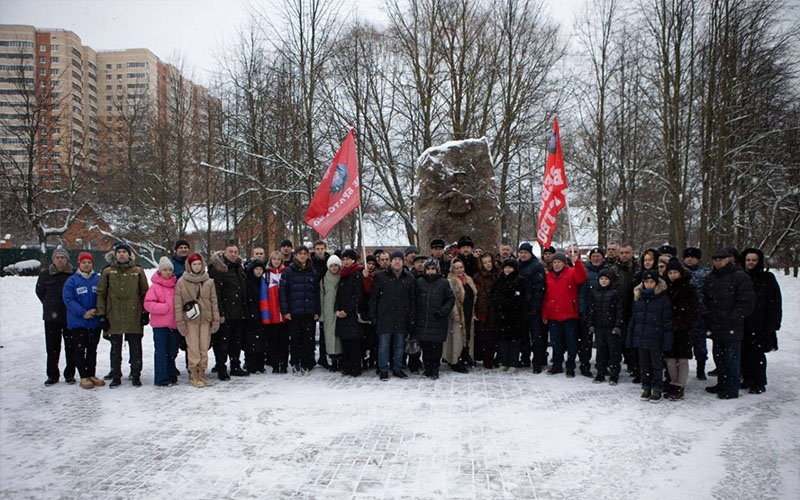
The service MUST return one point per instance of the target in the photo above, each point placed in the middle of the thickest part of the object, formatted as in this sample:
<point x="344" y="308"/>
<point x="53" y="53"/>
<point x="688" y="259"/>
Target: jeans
<point x="384" y="339"/>
<point x="134" y="357"/>
<point x="727" y="356"/>
<point x="608" y="352"/>
<point x="53" y="333"/>
<point x="509" y="352"/>
<point x="227" y="342"/>
<point x="561" y="333"/>
<point x="302" y="328"/>
<point x="165" y="341"/>
<point x="651" y="367"/>
<point x="84" y="354"/>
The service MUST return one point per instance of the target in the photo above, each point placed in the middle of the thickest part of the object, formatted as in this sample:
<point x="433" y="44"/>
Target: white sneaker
<point x="503" y="369"/>
<point x="512" y="370"/>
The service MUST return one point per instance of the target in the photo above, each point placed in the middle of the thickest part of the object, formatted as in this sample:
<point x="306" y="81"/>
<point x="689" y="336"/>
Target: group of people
<point x="398" y="311"/>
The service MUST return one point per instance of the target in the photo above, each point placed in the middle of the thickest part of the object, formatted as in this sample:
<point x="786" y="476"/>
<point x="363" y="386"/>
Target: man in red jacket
<point x="560" y="309"/>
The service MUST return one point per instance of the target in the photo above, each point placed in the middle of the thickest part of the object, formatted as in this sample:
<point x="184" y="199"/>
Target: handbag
<point x="191" y="309"/>
<point x="412" y="346"/>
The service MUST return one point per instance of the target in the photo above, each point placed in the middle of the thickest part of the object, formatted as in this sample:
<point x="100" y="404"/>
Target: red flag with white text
<point x="555" y="182"/>
<point x="339" y="193"/>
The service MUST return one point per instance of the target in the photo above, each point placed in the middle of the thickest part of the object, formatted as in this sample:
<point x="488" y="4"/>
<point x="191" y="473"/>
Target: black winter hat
<point x="350" y="253"/>
<point x="397" y="254"/>
<point x="650" y="274"/>
<point x="562" y="257"/>
<point x="692" y="252"/>
<point x="608" y="273"/>
<point x="550" y="249"/>
<point x="412" y="249"/>
<point x="465" y="241"/>
<point x="182" y="242"/>
<point x="287" y="243"/>
<point x="723" y="253"/>
<point x="420" y="257"/>
<point x="254" y="264"/>
<point x="122" y="246"/>
<point x="597" y="250"/>
<point x="372" y="258"/>
<point x="527" y="247"/>
<point x="674" y="265"/>
<point x="437" y="243"/>
<point x="511" y="262"/>
<point x="668" y="249"/>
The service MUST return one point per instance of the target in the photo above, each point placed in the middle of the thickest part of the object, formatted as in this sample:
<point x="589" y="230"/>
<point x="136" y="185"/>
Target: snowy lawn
<point x="485" y="435"/>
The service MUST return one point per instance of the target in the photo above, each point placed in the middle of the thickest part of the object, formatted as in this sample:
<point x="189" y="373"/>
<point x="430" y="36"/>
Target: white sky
<point x="194" y="29"/>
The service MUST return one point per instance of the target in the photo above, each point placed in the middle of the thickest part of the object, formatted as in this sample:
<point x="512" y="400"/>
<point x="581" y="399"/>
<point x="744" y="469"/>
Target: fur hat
<point x="437" y="243"/>
<point x="550" y="249"/>
<point x="465" y="241"/>
<point x="165" y="263"/>
<point x="692" y="252"/>
<point x="352" y="254"/>
<point x="650" y="274"/>
<point x="723" y="253"/>
<point x="669" y="249"/>
<point x="511" y="262"/>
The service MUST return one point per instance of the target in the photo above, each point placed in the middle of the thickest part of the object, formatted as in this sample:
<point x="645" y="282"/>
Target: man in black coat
<point x="535" y="282"/>
<point x="434" y="302"/>
<point x="437" y="252"/>
<point x="760" y="326"/>
<point x="728" y="300"/>
<point x="391" y="309"/>
<point x="319" y="259"/>
<point x="300" y="305"/>
<point x="54" y="312"/>
<point x="626" y="270"/>
<point x="225" y="268"/>
<point x="465" y="247"/>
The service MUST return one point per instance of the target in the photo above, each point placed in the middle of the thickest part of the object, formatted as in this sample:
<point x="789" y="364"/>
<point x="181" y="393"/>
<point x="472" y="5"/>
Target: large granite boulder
<point x="457" y="194"/>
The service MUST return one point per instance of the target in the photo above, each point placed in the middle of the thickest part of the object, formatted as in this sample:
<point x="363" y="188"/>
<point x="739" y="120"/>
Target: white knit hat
<point x="333" y="259"/>
<point x="165" y="263"/>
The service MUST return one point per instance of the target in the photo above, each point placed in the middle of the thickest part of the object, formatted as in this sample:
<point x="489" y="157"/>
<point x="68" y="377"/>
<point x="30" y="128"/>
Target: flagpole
<point x="569" y="221"/>
<point x="360" y="215"/>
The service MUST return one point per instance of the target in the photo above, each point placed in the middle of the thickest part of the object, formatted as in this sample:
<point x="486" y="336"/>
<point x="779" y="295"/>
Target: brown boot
<point x="194" y="379"/>
<point x="202" y="373"/>
<point x="97" y="382"/>
<point x="86" y="384"/>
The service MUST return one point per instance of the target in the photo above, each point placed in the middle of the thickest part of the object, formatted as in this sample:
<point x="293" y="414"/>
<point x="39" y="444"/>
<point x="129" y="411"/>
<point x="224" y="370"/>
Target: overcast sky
<point x="194" y="29"/>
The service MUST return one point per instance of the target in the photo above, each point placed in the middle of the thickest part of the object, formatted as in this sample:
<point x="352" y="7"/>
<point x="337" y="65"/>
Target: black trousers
<point x="431" y="356"/>
<point x="227" y="342"/>
<point x="651" y="364"/>
<point x="134" y="357"/>
<point x="278" y="340"/>
<point x="608" y="352"/>
<point x="53" y="333"/>
<point x="754" y="362"/>
<point x="255" y="345"/>
<point x="351" y="356"/>
<point x="301" y="337"/>
<point x="84" y="353"/>
<point x="323" y="354"/>
<point x="584" y="342"/>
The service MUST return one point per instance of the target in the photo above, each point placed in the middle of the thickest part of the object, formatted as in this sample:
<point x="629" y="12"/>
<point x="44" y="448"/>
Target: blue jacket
<point x="178" y="266"/>
<point x="535" y="283"/>
<point x="651" y="319"/>
<point x="80" y="295"/>
<point x="299" y="290"/>
<point x="592" y="282"/>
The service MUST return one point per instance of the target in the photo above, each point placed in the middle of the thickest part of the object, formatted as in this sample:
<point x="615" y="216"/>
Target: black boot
<point x="137" y="382"/>
<point x="115" y="382"/>
<point x="108" y="376"/>
<point x="237" y="371"/>
<point x="222" y="372"/>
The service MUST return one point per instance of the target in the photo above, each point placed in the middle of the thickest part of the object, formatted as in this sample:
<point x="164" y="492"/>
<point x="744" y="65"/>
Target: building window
<point x="108" y="87"/>
<point x="119" y="76"/>
<point x="108" y="108"/>
<point x="42" y="71"/>
<point x="54" y="71"/>
<point x="119" y="66"/>
<point x="53" y="48"/>
<point x="53" y="59"/>
<point x="42" y="59"/>
<point x="43" y="84"/>
<point x="42" y="48"/>
<point x="119" y="86"/>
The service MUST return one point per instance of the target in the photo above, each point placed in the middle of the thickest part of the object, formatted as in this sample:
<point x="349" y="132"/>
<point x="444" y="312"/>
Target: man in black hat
<point x="465" y="247"/>
<point x="182" y="251"/>
<point x="437" y="252"/>
<point x="49" y="287"/>
<point x="287" y="251"/>
<point x="417" y="270"/>
<point x="667" y="249"/>
<point x="535" y="281"/>
<point x="691" y="259"/>
<point x="410" y="254"/>
<point x="728" y="300"/>
<point x="547" y="257"/>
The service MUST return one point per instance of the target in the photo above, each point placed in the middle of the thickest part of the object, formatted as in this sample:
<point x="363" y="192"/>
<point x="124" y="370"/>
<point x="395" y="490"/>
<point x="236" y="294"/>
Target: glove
<point x="591" y="330"/>
<point x="145" y="318"/>
<point x="616" y="331"/>
<point x="103" y="323"/>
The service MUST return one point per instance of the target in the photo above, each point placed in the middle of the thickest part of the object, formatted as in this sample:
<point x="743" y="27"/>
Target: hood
<point x="188" y="275"/>
<point x="661" y="287"/>
<point x="656" y="255"/>
<point x="685" y="279"/>
<point x="219" y="261"/>
<point x="160" y="280"/>
<point x="760" y="266"/>
<point x="250" y="266"/>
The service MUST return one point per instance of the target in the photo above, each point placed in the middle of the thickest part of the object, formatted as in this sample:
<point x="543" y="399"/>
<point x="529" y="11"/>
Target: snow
<point x="21" y="266"/>
<point x="435" y="152"/>
<point x="483" y="435"/>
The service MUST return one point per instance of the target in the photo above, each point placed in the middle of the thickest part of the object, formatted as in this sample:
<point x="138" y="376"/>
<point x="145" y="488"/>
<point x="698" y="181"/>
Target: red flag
<point x="555" y="182"/>
<point x="339" y="193"/>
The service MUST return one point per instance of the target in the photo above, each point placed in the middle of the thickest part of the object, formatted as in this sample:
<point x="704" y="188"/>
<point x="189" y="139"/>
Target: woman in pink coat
<point x="160" y="303"/>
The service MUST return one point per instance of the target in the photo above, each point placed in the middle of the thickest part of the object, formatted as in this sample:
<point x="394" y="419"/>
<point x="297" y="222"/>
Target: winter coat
<point x="457" y="329"/>
<point x="761" y="325"/>
<point x="159" y="301"/>
<point x="685" y="311"/>
<point x="605" y="310"/>
<point x="728" y="299"/>
<point x="391" y="302"/>
<point x="348" y="296"/>
<point x="444" y="266"/>
<point x="320" y="265"/>
<point x="269" y="297"/>
<point x="120" y="296"/>
<point x="230" y="280"/>
<point x="186" y="290"/>
<point x="471" y="265"/>
<point x="561" y="295"/>
<point x="508" y="296"/>
<point x="299" y="290"/>
<point x="535" y="283"/>
<point x="650" y="326"/>
<point x="327" y="293"/>
<point x="253" y="286"/>
<point x="434" y="304"/>
<point x="80" y="295"/>
<point x="485" y="310"/>
<point x="178" y="266"/>
<point x="626" y="273"/>
<point x="592" y="282"/>
<point x="48" y="288"/>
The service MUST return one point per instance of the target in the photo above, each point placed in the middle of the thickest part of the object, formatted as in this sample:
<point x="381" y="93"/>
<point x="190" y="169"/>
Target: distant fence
<point x="12" y="255"/>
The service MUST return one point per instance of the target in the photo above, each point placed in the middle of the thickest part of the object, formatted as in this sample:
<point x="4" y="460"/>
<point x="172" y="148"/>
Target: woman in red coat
<point x="560" y="310"/>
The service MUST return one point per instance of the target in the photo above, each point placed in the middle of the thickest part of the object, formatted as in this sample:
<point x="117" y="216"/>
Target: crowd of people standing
<point x="394" y="312"/>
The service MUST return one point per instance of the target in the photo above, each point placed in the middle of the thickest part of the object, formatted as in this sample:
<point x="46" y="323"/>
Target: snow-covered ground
<point x="484" y="435"/>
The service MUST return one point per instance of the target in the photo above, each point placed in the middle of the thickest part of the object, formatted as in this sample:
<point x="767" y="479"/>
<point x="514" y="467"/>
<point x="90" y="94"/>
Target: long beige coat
<point x="456" y="331"/>
<point x="186" y="291"/>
